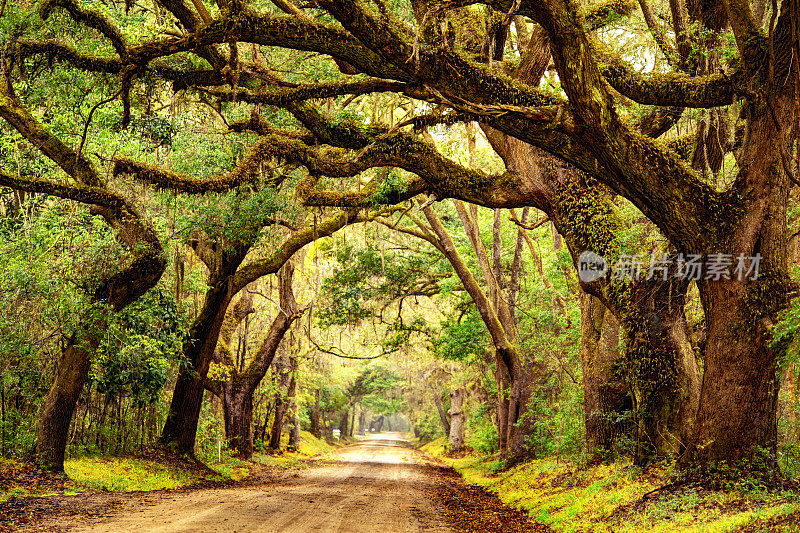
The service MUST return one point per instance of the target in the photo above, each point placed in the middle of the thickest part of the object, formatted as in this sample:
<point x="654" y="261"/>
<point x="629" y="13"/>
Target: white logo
<point x="591" y="267"/>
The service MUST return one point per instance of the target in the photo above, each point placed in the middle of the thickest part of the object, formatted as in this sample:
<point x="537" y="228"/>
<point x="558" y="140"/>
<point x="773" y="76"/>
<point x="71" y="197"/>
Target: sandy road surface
<point x="375" y="485"/>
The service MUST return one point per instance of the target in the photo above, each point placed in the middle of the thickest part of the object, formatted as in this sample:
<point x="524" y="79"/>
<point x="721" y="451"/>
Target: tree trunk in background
<point x="59" y="405"/>
<point x="292" y="407"/>
<point x="237" y="400"/>
<point x="520" y="423"/>
<point x="605" y="394"/>
<point x="442" y="415"/>
<point x="343" y="423"/>
<point x="237" y="391"/>
<point x="789" y="384"/>
<point x="284" y="370"/>
<point x="501" y="408"/>
<point x="294" y="434"/>
<point x="315" y="426"/>
<point x="362" y="422"/>
<point x="515" y="373"/>
<point x="457" y="419"/>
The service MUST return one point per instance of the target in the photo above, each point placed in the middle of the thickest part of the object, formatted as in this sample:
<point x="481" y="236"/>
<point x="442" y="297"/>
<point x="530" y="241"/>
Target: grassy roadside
<point x="618" y="497"/>
<point x="147" y="472"/>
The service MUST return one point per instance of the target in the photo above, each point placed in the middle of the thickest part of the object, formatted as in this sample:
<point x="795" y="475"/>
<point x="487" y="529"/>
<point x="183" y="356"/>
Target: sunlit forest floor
<point x="376" y="483"/>
<point x="608" y="497"/>
<point x="621" y="497"/>
<point x="149" y="470"/>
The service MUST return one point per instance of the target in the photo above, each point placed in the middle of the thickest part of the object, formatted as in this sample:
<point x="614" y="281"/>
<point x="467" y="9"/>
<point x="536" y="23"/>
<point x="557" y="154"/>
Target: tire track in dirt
<point x="377" y="484"/>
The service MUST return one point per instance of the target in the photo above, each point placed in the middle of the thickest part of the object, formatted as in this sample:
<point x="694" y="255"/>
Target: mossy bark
<point x="237" y="405"/>
<point x="737" y="420"/>
<point x="237" y="391"/>
<point x="180" y="428"/>
<point x="606" y="396"/>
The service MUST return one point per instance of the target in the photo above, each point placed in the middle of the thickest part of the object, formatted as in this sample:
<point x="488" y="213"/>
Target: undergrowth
<point x="154" y="470"/>
<point x="621" y="497"/>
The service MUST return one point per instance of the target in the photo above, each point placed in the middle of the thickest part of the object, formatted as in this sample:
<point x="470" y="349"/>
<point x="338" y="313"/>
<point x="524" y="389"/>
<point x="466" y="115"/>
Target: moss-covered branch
<point x="366" y="197"/>
<point x="78" y="193"/>
<point x="58" y="51"/>
<point x="281" y="96"/>
<point x="670" y="89"/>
<point x="247" y="171"/>
<point x="309" y="233"/>
<point x="270" y="30"/>
<point x="596" y="14"/>
<point x="91" y="18"/>
<point x="74" y="164"/>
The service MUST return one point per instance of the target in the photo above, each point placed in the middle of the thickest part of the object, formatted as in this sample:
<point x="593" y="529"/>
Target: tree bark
<point x="237" y="407"/>
<point x="59" y="405"/>
<point x="605" y="395"/>
<point x="180" y="428"/>
<point x="315" y="426"/>
<point x="457" y="419"/>
<point x="440" y="409"/>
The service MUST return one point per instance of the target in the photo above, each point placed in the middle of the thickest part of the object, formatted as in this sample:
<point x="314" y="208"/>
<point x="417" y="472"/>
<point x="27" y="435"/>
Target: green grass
<point x="609" y="497"/>
<point x="126" y="474"/>
<point x="122" y="474"/>
<point x="310" y="446"/>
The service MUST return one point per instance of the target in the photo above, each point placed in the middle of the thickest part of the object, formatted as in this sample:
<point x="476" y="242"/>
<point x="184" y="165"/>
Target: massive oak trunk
<point x="737" y="419"/>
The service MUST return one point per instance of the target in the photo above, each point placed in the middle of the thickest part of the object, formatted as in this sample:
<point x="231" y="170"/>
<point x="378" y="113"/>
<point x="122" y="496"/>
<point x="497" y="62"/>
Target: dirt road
<point x="375" y="485"/>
